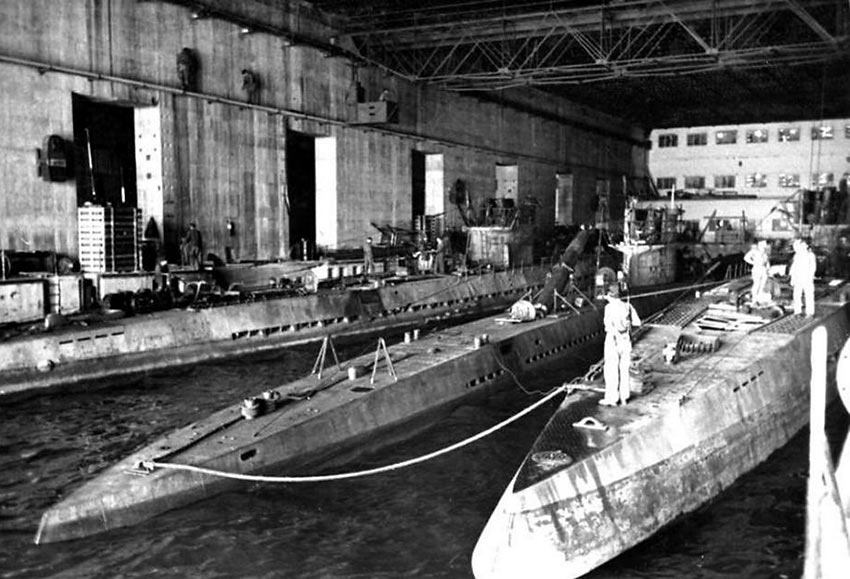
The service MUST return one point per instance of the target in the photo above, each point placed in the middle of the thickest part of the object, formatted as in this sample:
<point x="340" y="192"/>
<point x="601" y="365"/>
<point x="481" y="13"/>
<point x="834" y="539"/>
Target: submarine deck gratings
<point x="679" y="315"/>
<point x="789" y="324"/>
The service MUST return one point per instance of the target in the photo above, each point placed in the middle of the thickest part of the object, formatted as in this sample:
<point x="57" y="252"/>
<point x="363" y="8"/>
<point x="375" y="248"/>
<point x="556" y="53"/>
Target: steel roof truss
<point x="693" y="34"/>
<point x="807" y="18"/>
<point x="424" y="67"/>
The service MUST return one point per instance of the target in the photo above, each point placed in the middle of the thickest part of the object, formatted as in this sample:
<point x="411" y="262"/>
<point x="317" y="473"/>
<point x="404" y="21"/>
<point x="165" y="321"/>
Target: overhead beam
<point x="693" y="34"/>
<point x="671" y="65"/>
<point x="810" y="22"/>
<point x="630" y="39"/>
<point x="624" y="15"/>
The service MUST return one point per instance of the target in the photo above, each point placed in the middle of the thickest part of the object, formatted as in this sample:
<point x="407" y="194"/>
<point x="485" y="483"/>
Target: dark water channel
<point x="418" y="522"/>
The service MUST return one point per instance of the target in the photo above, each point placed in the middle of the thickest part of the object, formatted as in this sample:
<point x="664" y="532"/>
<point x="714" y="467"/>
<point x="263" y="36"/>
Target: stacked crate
<point x="109" y="238"/>
<point x="435" y="225"/>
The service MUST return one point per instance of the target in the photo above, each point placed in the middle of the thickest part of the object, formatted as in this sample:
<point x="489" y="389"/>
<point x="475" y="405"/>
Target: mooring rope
<point x="151" y="465"/>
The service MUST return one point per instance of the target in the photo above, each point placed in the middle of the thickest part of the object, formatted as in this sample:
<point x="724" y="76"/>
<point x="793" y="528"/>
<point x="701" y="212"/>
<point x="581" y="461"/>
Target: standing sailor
<point x="191" y="247"/>
<point x="619" y="318"/>
<point x="757" y="257"/>
<point x="803" y="268"/>
<point x="368" y="260"/>
<point x="439" y="265"/>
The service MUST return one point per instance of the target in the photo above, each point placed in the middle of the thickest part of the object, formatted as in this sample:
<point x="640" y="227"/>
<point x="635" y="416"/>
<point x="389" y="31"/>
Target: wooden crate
<point x="109" y="238"/>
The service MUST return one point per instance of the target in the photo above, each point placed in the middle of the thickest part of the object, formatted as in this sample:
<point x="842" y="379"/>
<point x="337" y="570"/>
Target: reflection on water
<point x="418" y="522"/>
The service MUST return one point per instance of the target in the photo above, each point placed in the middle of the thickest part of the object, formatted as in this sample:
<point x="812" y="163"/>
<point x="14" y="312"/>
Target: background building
<point x="748" y="168"/>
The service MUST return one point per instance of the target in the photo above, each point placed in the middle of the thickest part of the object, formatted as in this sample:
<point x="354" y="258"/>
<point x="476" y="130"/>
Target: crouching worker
<point x="618" y="319"/>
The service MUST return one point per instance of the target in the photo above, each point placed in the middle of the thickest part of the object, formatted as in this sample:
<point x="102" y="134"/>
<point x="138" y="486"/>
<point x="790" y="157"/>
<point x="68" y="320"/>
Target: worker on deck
<point x="758" y="258"/>
<point x="619" y="319"/>
<point x="191" y="247"/>
<point x="803" y="268"/>
<point x="368" y="260"/>
<point x="439" y="264"/>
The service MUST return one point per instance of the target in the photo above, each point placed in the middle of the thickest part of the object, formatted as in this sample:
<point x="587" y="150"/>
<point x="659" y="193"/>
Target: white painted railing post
<point x="827" y="539"/>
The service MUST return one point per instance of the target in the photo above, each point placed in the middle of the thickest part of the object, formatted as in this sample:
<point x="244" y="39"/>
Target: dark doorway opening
<point x="301" y="178"/>
<point x="417" y="169"/>
<point x="104" y="152"/>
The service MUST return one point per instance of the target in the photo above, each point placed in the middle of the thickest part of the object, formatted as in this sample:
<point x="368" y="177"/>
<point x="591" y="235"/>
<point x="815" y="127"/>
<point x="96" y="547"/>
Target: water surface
<point x="419" y="522"/>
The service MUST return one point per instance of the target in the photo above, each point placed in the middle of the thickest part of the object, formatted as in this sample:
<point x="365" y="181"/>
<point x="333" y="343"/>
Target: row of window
<point x="753" y="180"/>
<point x="730" y="136"/>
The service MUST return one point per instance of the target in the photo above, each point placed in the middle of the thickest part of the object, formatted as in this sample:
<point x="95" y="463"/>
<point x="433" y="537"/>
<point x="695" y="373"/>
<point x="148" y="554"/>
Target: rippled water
<point x="419" y="522"/>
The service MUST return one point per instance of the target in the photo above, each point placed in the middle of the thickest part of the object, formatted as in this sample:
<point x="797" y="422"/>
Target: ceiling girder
<point x="641" y="68"/>
<point x="589" y="18"/>
<point x="699" y="39"/>
<point x="811" y="22"/>
<point x="638" y="38"/>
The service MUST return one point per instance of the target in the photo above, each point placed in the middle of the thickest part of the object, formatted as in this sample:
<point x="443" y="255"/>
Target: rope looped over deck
<point x="151" y="465"/>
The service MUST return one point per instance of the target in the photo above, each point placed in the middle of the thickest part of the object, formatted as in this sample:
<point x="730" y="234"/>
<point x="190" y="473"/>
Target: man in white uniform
<point x="618" y="319"/>
<point x="803" y="268"/>
<point x="758" y="258"/>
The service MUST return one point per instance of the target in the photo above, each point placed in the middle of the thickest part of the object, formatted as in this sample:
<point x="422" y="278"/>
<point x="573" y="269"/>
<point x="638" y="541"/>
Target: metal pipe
<point x="44" y="67"/>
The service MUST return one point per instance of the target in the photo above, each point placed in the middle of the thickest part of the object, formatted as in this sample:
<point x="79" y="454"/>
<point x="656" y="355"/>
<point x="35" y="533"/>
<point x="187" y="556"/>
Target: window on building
<point x="789" y="134"/>
<point x="697" y="139"/>
<point x="668" y="140"/>
<point x="694" y="182"/>
<point x="724" y="181"/>
<point x="822" y="133"/>
<point x="665" y="183"/>
<point x="757" y="136"/>
<point x="823" y="179"/>
<point x="756" y="180"/>
<point x="789" y="180"/>
<point x="726" y="137"/>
